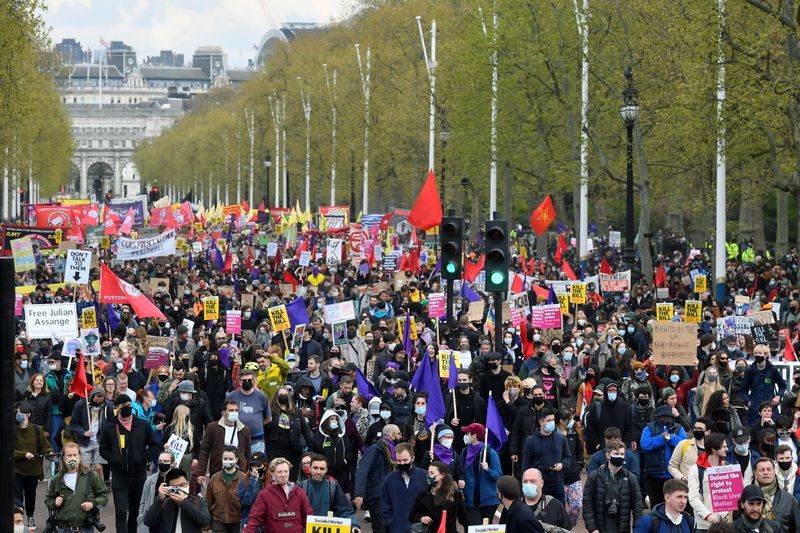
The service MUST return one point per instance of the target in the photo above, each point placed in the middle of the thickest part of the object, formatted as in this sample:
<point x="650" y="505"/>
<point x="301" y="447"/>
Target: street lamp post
<point x="444" y="135"/>
<point x="629" y="111"/>
<point x="267" y="165"/>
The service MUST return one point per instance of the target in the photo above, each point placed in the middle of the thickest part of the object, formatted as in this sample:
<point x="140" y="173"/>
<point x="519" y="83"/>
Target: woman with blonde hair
<point x="710" y="385"/>
<point x="182" y="427"/>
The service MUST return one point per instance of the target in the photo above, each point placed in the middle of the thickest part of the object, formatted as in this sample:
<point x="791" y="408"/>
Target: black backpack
<point x="331" y="488"/>
<point x="688" y="521"/>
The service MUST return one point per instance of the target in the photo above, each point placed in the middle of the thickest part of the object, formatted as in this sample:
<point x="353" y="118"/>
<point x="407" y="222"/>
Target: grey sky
<point x="182" y="25"/>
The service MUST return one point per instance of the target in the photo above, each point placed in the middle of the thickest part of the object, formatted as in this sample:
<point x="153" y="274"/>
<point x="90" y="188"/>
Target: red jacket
<point x="273" y="511"/>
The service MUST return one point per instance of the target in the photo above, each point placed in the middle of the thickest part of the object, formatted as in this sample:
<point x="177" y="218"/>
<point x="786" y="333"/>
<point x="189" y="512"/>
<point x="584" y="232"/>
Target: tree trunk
<point x="781" y="223"/>
<point x="644" y="208"/>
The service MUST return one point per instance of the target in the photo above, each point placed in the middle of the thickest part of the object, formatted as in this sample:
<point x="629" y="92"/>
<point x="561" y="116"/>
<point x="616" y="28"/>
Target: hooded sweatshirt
<point x="331" y="444"/>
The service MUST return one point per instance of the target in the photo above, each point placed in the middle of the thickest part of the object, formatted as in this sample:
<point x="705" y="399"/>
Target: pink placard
<point x="517" y="317"/>
<point x="156" y="357"/>
<point x="546" y="316"/>
<point x="437" y="305"/>
<point x="17" y="305"/>
<point x="725" y="486"/>
<point x="233" y="322"/>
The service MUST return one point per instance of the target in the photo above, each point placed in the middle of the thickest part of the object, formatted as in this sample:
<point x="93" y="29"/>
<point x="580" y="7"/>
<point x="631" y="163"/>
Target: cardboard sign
<point x="437" y="305"/>
<point x="693" y="311"/>
<point x="47" y="321"/>
<point x="233" y="321"/>
<point x="305" y="258"/>
<point x="327" y="524"/>
<point x="577" y="293"/>
<point x="700" y="283"/>
<point x="77" y="267"/>
<point x="546" y="316"/>
<point x="339" y="330"/>
<point x="763" y="317"/>
<point x="725" y="486"/>
<point x="674" y="343"/>
<point x="340" y="312"/>
<point x="617" y="282"/>
<point x="763" y="335"/>
<point x="475" y="312"/>
<point x="664" y="312"/>
<point x="211" y="308"/>
<point x="563" y="302"/>
<point x="88" y="318"/>
<point x="177" y="446"/>
<point x="279" y="318"/>
<point x="22" y="250"/>
<point x="248" y="300"/>
<point x="156" y="357"/>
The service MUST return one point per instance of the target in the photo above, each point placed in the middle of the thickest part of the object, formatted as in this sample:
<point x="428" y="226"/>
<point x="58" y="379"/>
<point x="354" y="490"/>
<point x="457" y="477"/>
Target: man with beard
<point x="751" y="509"/>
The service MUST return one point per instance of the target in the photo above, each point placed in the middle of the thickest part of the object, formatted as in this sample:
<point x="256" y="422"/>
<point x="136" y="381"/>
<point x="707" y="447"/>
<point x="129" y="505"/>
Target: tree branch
<point x="768" y="9"/>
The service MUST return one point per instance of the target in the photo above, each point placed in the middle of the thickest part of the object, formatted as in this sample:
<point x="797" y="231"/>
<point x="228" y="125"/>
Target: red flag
<point x="228" y="262"/>
<point x="427" y="210"/>
<point x="403" y="265"/>
<point x="245" y="207"/>
<point x="115" y="291"/>
<point x="541" y="292"/>
<point x="443" y="523"/>
<point x="302" y="248"/>
<point x="79" y="384"/>
<point x="561" y="248"/>
<point x="518" y="284"/>
<point x="371" y="256"/>
<point x="566" y="269"/>
<point x="127" y="224"/>
<point x="110" y="222"/>
<point x="605" y="268"/>
<point x="543" y="216"/>
<point x="788" y="350"/>
<point x="92" y="216"/>
<point x="527" y="345"/>
<point x="289" y="278"/>
<point x="661" y="276"/>
<point x="471" y="270"/>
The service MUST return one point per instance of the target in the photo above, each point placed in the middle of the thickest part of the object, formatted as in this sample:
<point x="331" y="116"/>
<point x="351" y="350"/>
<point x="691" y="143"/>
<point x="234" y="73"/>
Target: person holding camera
<point x="75" y="495"/>
<point x="659" y="439"/>
<point x="611" y="496"/>
<point x="175" y="510"/>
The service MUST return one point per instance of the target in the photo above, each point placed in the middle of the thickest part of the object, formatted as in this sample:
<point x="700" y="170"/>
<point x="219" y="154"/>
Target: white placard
<point x="177" y="446"/>
<point x="77" y="268"/>
<point x="272" y="249"/>
<point x="47" y="321"/>
<point x="305" y="258"/>
<point x="157" y="246"/>
<point x="340" y="312"/>
<point x="334" y="251"/>
<point x="614" y="239"/>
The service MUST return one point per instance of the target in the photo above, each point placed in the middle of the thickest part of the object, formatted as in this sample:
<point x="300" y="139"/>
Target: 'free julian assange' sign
<point x="47" y="321"/>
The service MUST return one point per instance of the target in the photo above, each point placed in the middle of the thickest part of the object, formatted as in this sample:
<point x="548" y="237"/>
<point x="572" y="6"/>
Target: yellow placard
<point x="700" y="283"/>
<point x="694" y="311"/>
<point x="105" y="243"/>
<point x="444" y="362"/>
<point x="184" y="262"/>
<point x="401" y="324"/>
<point x="279" y="318"/>
<point x="211" y="308"/>
<point x="664" y="312"/>
<point x="89" y="318"/>
<point x="563" y="301"/>
<point x="327" y="524"/>
<point x="577" y="293"/>
<point x="27" y="289"/>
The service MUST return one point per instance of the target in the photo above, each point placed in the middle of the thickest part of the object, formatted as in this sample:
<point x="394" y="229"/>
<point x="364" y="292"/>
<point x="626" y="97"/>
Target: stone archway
<point x="74" y="178"/>
<point x="100" y="179"/>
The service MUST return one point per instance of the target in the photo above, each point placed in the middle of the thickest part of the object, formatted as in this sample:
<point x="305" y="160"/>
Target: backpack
<point x="687" y="525"/>
<point x="304" y="484"/>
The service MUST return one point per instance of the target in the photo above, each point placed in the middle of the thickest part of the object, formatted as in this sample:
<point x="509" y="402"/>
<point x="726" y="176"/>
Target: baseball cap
<point x="740" y="435"/>
<point x="752" y="493"/>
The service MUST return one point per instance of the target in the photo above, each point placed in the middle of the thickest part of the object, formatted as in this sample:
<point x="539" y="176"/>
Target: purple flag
<point x="551" y="296"/>
<point x="365" y="388"/>
<point x="225" y="356"/>
<point x="113" y="318"/>
<point x="297" y="312"/>
<point x="408" y="344"/>
<point x="452" y="379"/>
<point x="468" y="293"/>
<point x="191" y="261"/>
<point x="427" y="379"/>
<point x="494" y="425"/>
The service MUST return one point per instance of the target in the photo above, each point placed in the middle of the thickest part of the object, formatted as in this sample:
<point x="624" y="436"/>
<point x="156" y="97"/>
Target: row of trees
<point x="671" y="46"/>
<point x="35" y="136"/>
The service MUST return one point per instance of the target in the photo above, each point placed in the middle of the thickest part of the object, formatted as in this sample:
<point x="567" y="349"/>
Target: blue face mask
<point x="334" y="425"/>
<point x="622" y="349"/>
<point x="742" y="448"/>
<point x="612" y="396"/>
<point x="20" y="418"/>
<point x="641" y="376"/>
<point x="419" y="410"/>
<point x="674" y="378"/>
<point x="530" y="490"/>
<point x="550" y="426"/>
<point x="631" y="329"/>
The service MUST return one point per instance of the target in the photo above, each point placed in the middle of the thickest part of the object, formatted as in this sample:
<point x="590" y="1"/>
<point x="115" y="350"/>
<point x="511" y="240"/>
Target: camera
<point x="174" y="490"/>
<point x="94" y="520"/>
<point x="613" y="509"/>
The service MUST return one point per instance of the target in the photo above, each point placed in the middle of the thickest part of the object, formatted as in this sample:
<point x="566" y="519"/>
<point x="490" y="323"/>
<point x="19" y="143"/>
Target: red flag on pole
<point x="471" y="270"/>
<point x="115" y="291"/>
<point x="79" y="384"/>
<point x="127" y="224"/>
<point x="605" y="268"/>
<point x="543" y="216"/>
<point x="443" y="523"/>
<point x="567" y="269"/>
<point x="427" y="210"/>
<point x="788" y="349"/>
<point x="518" y="285"/>
<point x="661" y="276"/>
<point x="561" y="248"/>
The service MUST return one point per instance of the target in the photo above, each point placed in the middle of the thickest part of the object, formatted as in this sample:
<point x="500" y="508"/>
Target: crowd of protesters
<point x="274" y="427"/>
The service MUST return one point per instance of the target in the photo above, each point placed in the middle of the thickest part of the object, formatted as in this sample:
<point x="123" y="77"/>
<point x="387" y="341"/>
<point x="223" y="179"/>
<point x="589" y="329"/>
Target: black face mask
<point x="247" y="385"/>
<point x="555" y="348"/>
<point x="617" y="461"/>
<point x="463" y="386"/>
<point x="759" y="358"/>
<point x="785" y="465"/>
<point x="492" y="365"/>
<point x="404" y="467"/>
<point x="164" y="468"/>
<point x="125" y="411"/>
<point x="162" y="378"/>
<point x="336" y="371"/>
<point x="538" y="401"/>
<point x="283" y="400"/>
<point x="698" y="434"/>
<point x="644" y="403"/>
<point x="768" y="448"/>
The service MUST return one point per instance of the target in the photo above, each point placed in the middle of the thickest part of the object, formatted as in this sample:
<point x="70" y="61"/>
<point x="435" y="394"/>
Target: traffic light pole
<point x="449" y="292"/>
<point x="7" y="334"/>
<point x="499" y="298"/>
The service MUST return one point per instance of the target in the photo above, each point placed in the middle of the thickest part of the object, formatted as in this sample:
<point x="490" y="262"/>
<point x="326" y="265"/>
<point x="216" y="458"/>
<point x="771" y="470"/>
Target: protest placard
<point x="327" y="524"/>
<point x="614" y="239"/>
<point x="233" y="321"/>
<point x="546" y="316"/>
<point x="693" y="311"/>
<point x="88" y="318"/>
<point x="437" y="305"/>
<point x="577" y="293"/>
<point x="339" y="333"/>
<point x="279" y="318"/>
<point x="725" y="486"/>
<point x="664" y="312"/>
<point x="763" y="334"/>
<point x="47" y="321"/>
<point x="340" y="312"/>
<point x="22" y="250"/>
<point x="18" y="304"/>
<point x="475" y="312"/>
<point x="177" y="446"/>
<point x="700" y="283"/>
<point x="674" y="343"/>
<point x="297" y="336"/>
<point x="211" y="308"/>
<point x="762" y="317"/>
<point x="305" y="258"/>
<point x="90" y="341"/>
<point x="563" y="302"/>
<point x="76" y="269"/>
<point x="156" y="356"/>
<point x="616" y="282"/>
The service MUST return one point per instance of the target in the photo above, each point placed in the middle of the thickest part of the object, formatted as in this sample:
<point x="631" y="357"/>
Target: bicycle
<point x="55" y="463"/>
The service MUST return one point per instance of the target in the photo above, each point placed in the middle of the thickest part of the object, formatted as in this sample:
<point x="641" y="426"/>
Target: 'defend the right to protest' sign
<point x="725" y="487"/>
<point x="674" y="343"/>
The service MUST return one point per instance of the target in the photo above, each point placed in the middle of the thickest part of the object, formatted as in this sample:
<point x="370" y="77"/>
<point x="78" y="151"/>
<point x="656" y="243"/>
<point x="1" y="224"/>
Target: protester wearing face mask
<point x="124" y="444"/>
<point x="330" y="441"/>
<point x="548" y="510"/>
<point x="256" y="478"/>
<point x="482" y="469"/>
<point x="221" y="493"/>
<point x="254" y="409"/>
<point x="762" y="383"/>
<point x="612" y="411"/>
<point x="226" y="432"/>
<point x="22" y="370"/>
<point x="494" y="378"/>
<point x="164" y="463"/>
<point x="56" y="379"/>
<point x="659" y="439"/>
<point x="76" y="494"/>
<point x="376" y="428"/>
<point x="551" y="376"/>
<point x="742" y="454"/>
<point x="469" y="407"/>
<point x="709" y="385"/>
<point x="284" y="432"/>
<point x="29" y="441"/>
<point x="441" y="507"/>
<point x="376" y="463"/>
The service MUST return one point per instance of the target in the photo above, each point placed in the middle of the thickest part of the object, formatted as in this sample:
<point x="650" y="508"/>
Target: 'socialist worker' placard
<point x="674" y="343"/>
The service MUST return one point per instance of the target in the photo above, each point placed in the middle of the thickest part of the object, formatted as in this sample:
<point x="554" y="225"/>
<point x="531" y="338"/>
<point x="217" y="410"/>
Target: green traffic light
<point x="450" y="268"/>
<point x="497" y="277"/>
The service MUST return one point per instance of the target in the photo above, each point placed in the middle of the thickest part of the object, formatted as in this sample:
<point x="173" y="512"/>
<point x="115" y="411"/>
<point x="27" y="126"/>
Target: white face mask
<point x="447" y="443"/>
<point x="386" y="415"/>
<point x="185" y="396"/>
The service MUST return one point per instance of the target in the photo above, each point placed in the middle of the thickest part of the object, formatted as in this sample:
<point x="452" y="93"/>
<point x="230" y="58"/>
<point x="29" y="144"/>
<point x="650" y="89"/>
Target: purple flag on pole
<point x="408" y="344"/>
<point x="452" y="378"/>
<point x="297" y="312"/>
<point x="427" y="379"/>
<point x="191" y="261"/>
<point x="494" y="425"/>
<point x="113" y="317"/>
<point x="551" y="296"/>
<point x="365" y="388"/>
<point x="468" y="293"/>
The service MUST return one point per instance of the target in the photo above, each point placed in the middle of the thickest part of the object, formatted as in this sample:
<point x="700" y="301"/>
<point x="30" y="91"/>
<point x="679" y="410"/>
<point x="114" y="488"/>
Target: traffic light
<point x="154" y="196"/>
<point x="451" y="233"/>
<point x="496" y="265"/>
<point x="23" y="198"/>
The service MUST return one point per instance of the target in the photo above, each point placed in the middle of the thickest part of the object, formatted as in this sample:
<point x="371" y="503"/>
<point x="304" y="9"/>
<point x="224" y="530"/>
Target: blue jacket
<point x="247" y="496"/>
<point x="657" y="450"/>
<point x="542" y="452"/>
<point x="372" y="471"/>
<point x="487" y="482"/>
<point x="645" y="524"/>
<point x="760" y="386"/>
<point x="598" y="459"/>
<point x="397" y="500"/>
<point x="319" y="496"/>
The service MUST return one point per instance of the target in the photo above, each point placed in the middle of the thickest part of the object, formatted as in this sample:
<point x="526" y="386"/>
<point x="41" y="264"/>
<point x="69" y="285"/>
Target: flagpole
<point x="486" y="436"/>
<point x="332" y="97"/>
<point x="365" y="86"/>
<point x="455" y="409"/>
<point x="430" y="65"/>
<point x="583" y="30"/>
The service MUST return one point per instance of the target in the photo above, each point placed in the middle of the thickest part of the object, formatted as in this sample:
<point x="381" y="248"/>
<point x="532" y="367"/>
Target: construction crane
<point x="268" y="13"/>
